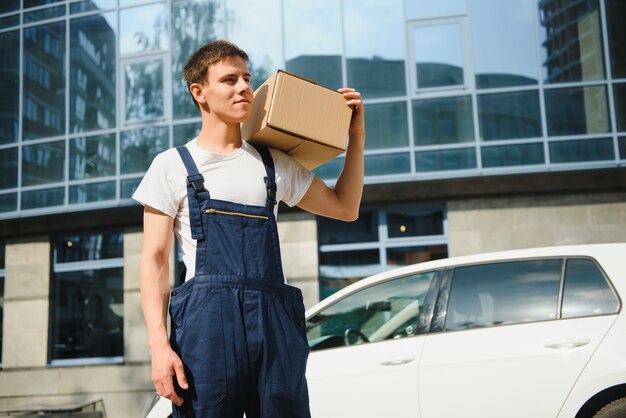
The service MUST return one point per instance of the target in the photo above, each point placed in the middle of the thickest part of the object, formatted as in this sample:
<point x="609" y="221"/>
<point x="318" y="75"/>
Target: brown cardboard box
<point x="305" y="120"/>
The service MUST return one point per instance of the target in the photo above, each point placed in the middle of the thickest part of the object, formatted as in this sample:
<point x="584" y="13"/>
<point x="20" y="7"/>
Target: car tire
<point x="616" y="409"/>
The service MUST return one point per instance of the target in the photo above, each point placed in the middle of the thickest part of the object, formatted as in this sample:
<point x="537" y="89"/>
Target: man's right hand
<point x="167" y="366"/>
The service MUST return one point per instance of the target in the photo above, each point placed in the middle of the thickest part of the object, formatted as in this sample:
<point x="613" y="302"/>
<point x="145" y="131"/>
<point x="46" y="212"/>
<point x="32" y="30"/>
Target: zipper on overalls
<point x="245" y="215"/>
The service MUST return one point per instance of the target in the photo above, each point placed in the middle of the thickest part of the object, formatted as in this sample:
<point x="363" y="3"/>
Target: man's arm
<point x="344" y="200"/>
<point x="155" y="289"/>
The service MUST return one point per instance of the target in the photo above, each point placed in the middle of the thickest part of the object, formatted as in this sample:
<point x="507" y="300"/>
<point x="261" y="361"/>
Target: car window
<point x="503" y="293"/>
<point x="380" y="312"/>
<point x="586" y="291"/>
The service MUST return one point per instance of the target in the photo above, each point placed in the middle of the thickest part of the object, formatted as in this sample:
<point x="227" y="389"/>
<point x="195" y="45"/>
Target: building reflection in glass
<point x="9" y="86"/>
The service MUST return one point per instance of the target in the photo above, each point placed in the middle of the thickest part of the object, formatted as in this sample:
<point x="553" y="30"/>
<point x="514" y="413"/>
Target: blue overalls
<point x="238" y="328"/>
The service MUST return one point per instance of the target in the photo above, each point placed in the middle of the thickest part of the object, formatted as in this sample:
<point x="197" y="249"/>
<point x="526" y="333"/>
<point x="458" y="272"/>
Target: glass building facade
<point x="92" y="89"/>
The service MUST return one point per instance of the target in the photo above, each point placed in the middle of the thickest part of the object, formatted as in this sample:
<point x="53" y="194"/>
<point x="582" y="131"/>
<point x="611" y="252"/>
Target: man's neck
<point x="219" y="137"/>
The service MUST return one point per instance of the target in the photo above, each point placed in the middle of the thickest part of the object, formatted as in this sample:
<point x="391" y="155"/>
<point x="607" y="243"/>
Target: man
<point x="238" y="343"/>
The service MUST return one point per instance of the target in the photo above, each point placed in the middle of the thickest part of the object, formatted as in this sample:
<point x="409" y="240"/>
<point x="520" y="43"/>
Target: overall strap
<point x="270" y="179"/>
<point x="195" y="192"/>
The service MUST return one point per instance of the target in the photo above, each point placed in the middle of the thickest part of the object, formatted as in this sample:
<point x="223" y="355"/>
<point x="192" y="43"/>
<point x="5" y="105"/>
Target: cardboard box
<point x="297" y="116"/>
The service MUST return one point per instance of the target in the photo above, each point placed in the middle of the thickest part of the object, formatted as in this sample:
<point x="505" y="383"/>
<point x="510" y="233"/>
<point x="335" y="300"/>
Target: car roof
<point x="615" y="252"/>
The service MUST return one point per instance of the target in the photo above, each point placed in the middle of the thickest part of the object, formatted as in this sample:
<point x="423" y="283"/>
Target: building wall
<point x="501" y="223"/>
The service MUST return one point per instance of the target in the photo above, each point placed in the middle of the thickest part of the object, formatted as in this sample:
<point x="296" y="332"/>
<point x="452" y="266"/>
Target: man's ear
<point x="196" y="91"/>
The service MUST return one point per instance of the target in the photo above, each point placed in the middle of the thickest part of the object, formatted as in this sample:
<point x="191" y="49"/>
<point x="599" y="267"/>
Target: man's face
<point x="228" y="93"/>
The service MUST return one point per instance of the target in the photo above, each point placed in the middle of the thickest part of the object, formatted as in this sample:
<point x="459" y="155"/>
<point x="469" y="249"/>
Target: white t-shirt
<point x="235" y="177"/>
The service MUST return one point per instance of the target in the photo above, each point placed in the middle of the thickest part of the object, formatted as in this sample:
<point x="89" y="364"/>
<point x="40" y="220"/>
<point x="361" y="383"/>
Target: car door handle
<point x="567" y="343"/>
<point x="397" y="361"/>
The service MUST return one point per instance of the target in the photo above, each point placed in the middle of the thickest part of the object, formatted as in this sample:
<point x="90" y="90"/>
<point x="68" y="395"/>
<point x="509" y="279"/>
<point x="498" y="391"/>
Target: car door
<point x="366" y="349"/>
<point x="510" y="345"/>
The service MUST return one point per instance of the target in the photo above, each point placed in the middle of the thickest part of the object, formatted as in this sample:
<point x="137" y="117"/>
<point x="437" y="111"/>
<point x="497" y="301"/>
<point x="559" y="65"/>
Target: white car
<point x="519" y="334"/>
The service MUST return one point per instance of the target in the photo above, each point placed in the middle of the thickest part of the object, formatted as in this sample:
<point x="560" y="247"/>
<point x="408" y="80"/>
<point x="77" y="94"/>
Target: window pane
<point x="92" y="72"/>
<point x="36" y="199"/>
<point x="143" y="29"/>
<point x="246" y="21"/>
<point x="451" y="159"/>
<point x="2" y="259"/>
<point x="386" y="125"/>
<point x="572" y="41"/>
<point x="7" y="6"/>
<point x="404" y="256"/>
<point x="364" y="229"/>
<point x="128" y="187"/>
<point x="92" y="192"/>
<point x="619" y="93"/>
<point x="185" y="133"/>
<point x="9" y="85"/>
<point x="509" y="115"/>
<point x="375" y="47"/>
<point x="389" y="310"/>
<point x="139" y="147"/>
<point x="512" y="155"/>
<point x="424" y="9"/>
<point x="34" y="3"/>
<point x="583" y="150"/>
<point x="8" y="202"/>
<point x="92" y="5"/>
<point x="414" y="221"/>
<point x="577" y="111"/>
<point x="144" y="90"/>
<point x="92" y="157"/>
<point x="43" y="163"/>
<point x="616" y="16"/>
<point x="87" y="314"/>
<point x="383" y="164"/>
<point x="44" y="81"/>
<point x="313" y="41"/>
<point x="10" y="21"/>
<point x="503" y="293"/>
<point x="194" y="23"/>
<point x="339" y="269"/>
<point x="88" y="247"/>
<point x="330" y="170"/>
<point x="622" y="147"/>
<point x="508" y="59"/>
<point x="443" y="121"/>
<point x="586" y="292"/>
<point x="8" y="168"/>
<point x="438" y="53"/>
<point x="43" y="14"/>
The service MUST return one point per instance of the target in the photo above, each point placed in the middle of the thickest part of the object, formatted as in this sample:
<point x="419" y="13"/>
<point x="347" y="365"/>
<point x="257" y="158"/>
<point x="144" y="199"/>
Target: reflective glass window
<point x="385" y="311"/>
<point x="313" y="41"/>
<point x="503" y="293"/>
<point x="35" y="3"/>
<point x="616" y="16"/>
<point x="8" y="6"/>
<point x="128" y="187"/>
<point x="143" y="29"/>
<point x="438" y="55"/>
<point x="126" y="3"/>
<point x="139" y="147"/>
<point x="619" y="95"/>
<point x="414" y="221"/>
<point x="92" y="72"/>
<point x="504" y="47"/>
<point x="596" y="149"/>
<point x="364" y="229"/>
<point x="8" y="202"/>
<point x="586" y="291"/>
<point x="512" y="155"/>
<point x="382" y="164"/>
<point x="91" y="246"/>
<point x="44" y="81"/>
<point x="9" y="85"/>
<point x="43" y="163"/>
<point x="194" y="23"/>
<point x="622" y="147"/>
<point x="577" y="111"/>
<point x="509" y="115"/>
<point x="339" y="269"/>
<point x="185" y="133"/>
<point x="8" y="168"/>
<point x="444" y="160"/>
<point x="404" y="256"/>
<point x="44" y="198"/>
<point x="424" y="9"/>
<point x="572" y="41"/>
<point x="246" y="21"/>
<point x="92" y="5"/>
<point x="43" y="14"/>
<point x="443" y="120"/>
<point x="92" y="157"/>
<point x="9" y="21"/>
<point x="375" y="47"/>
<point x="386" y="125"/>
<point x="144" y="90"/>
<point x="331" y="169"/>
<point x="92" y="192"/>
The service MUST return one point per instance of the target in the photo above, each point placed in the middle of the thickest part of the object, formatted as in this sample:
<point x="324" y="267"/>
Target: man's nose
<point x="243" y="85"/>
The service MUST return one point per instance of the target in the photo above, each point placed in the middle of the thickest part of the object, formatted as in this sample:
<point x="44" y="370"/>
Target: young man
<point x="238" y="343"/>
